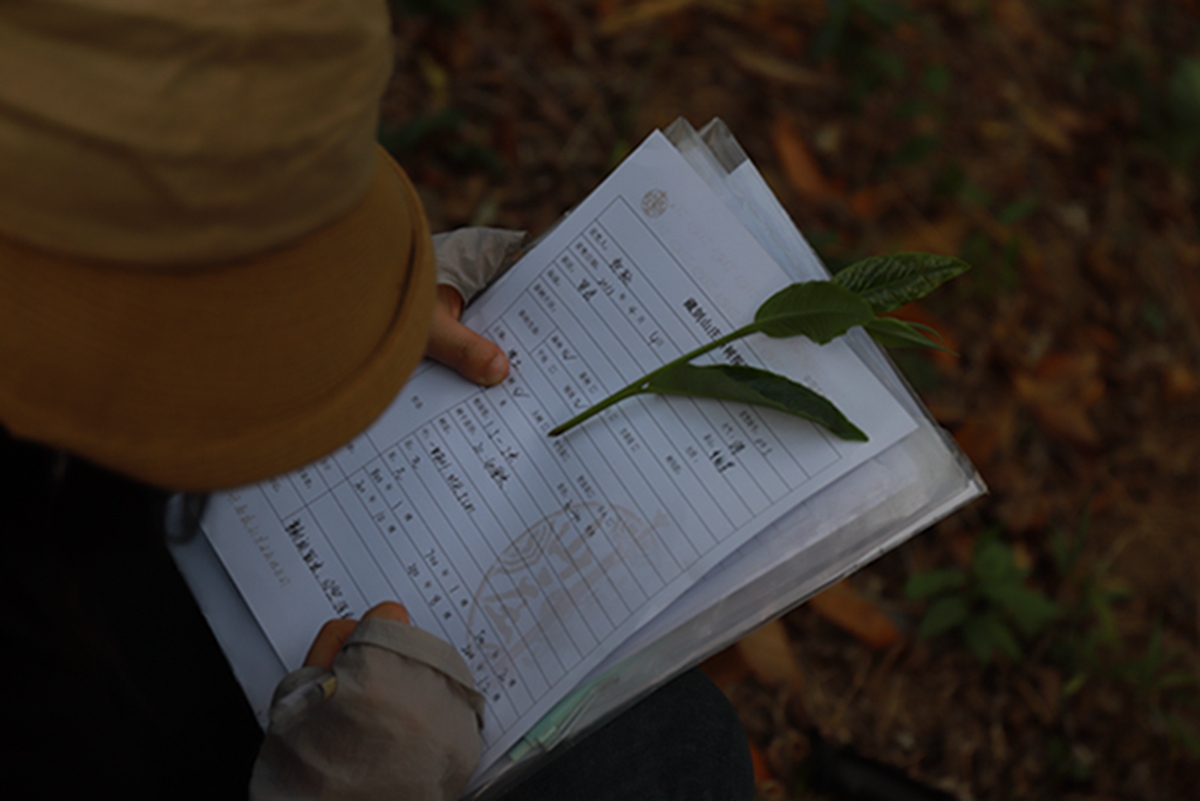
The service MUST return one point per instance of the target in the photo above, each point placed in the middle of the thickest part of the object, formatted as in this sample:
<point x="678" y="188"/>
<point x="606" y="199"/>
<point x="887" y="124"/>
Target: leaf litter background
<point x="1053" y="145"/>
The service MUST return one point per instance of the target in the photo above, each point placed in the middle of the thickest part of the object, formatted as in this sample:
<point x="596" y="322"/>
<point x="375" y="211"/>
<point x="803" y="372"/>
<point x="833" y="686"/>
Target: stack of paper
<point x="576" y="573"/>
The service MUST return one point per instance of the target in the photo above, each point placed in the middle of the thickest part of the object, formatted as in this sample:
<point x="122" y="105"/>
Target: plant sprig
<point x="818" y="310"/>
<point x="992" y="606"/>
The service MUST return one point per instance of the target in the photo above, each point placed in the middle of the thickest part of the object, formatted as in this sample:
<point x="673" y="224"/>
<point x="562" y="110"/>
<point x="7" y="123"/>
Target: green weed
<point x="850" y="35"/>
<point x="1088" y="644"/>
<point x="990" y="606"/>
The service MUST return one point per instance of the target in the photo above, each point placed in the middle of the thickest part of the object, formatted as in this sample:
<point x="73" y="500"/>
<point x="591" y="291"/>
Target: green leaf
<point x="936" y="79"/>
<point x="1005" y="640"/>
<point x="933" y="582"/>
<point x="977" y="634"/>
<point x="888" y="282"/>
<point x="943" y="615"/>
<point x="914" y="150"/>
<point x="994" y="566"/>
<point x="819" y="310"/>
<point x="829" y="39"/>
<point x="1015" y="212"/>
<point x="893" y="333"/>
<point x="1028" y="608"/>
<point x="1106" y="618"/>
<point x="759" y="387"/>
<point x="1074" y="685"/>
<point x="924" y="329"/>
<point x="1176" y="679"/>
<point x="1184" y="93"/>
<point x="985" y="634"/>
<point x="1144" y="670"/>
<point x="886" y="12"/>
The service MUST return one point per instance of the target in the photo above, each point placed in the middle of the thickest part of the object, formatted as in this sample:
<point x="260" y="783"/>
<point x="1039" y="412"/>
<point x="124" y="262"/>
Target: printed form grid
<point x="601" y="529"/>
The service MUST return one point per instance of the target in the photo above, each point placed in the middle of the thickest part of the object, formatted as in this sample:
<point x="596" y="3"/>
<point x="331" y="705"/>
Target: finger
<point x="334" y="633"/>
<point x="459" y="348"/>
<point x="329" y="641"/>
<point x="389" y="610"/>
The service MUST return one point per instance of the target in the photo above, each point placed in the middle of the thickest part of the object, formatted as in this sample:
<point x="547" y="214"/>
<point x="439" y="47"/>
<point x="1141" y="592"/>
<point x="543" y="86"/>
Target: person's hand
<point x="333" y="634"/>
<point x="469" y="259"/>
<point x="380" y="710"/>
<point x="453" y="344"/>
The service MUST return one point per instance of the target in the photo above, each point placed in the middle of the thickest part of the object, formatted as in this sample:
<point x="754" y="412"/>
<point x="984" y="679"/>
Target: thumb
<point x="459" y="348"/>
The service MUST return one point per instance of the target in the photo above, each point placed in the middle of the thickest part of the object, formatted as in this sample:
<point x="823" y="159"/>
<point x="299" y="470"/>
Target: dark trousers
<point x="683" y="741"/>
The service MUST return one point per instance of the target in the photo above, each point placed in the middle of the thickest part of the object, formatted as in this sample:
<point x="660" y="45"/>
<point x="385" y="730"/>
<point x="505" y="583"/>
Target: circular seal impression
<point x="654" y="202"/>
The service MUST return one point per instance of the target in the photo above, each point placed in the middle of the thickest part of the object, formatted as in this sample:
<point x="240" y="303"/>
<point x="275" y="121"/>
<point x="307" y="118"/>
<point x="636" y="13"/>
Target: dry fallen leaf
<point x="1060" y="391"/>
<point x="800" y="166"/>
<point x="944" y="235"/>
<point x="726" y="668"/>
<point x="1015" y="18"/>
<point x="865" y="203"/>
<point x="768" y="653"/>
<point x="1052" y="127"/>
<point x="640" y="14"/>
<point x="773" y="68"/>
<point x="1022" y="558"/>
<point x="961" y="544"/>
<point x="849" y="610"/>
<point x="1179" y="383"/>
<point x="987" y="432"/>
<point x="1103" y="338"/>
<point x="762" y="768"/>
<point x="606" y="8"/>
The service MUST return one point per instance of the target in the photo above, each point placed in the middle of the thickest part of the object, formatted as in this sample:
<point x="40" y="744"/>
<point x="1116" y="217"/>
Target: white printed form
<point x="535" y="557"/>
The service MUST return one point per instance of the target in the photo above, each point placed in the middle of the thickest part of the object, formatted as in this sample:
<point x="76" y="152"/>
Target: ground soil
<point x="1051" y="144"/>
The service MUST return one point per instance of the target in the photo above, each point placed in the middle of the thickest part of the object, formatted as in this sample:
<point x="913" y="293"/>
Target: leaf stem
<point x="639" y="386"/>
